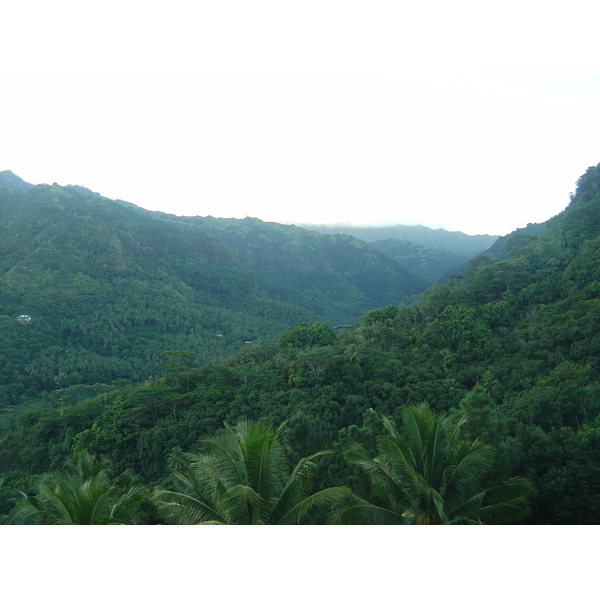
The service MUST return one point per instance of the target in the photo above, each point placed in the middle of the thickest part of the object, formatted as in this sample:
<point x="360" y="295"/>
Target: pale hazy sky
<point x="463" y="115"/>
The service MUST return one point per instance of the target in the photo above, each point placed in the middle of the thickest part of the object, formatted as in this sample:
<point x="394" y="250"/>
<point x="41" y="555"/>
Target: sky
<point x="468" y="116"/>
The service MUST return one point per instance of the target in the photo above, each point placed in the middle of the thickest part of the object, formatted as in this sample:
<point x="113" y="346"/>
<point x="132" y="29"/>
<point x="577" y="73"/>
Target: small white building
<point x="23" y="318"/>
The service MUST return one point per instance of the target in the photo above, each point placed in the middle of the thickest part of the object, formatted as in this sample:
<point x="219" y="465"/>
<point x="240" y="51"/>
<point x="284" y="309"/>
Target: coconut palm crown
<point x="82" y="493"/>
<point x="242" y="477"/>
<point x="428" y="475"/>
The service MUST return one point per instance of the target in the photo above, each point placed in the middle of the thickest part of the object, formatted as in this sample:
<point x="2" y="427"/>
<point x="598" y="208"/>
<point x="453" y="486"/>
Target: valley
<point x="136" y="336"/>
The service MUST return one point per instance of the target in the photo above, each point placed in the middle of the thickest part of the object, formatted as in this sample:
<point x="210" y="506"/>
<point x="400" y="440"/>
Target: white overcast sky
<point x="472" y="116"/>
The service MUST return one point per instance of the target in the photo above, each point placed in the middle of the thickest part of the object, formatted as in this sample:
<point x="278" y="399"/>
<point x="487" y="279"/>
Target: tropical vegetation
<point x="430" y="476"/>
<point x="500" y="363"/>
<point x="242" y="478"/>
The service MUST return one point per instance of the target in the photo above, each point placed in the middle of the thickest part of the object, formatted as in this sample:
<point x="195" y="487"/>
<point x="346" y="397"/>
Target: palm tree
<point x="242" y="477"/>
<point x="82" y="493"/>
<point x="430" y="476"/>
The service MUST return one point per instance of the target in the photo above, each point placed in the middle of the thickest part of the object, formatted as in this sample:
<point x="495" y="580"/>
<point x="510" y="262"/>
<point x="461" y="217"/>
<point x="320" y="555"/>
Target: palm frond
<point x="468" y="464"/>
<point x="505" y="501"/>
<point x="124" y="508"/>
<point x="55" y="502"/>
<point x="356" y="511"/>
<point x="297" y="486"/>
<point x="243" y="505"/>
<point x="454" y="434"/>
<point x="415" y="420"/>
<point x="314" y="506"/>
<point x="225" y="445"/>
<point x="264" y="458"/>
<point x="427" y="505"/>
<point x="436" y="451"/>
<point x="212" y="475"/>
<point x="182" y="509"/>
<point x="387" y="475"/>
<point x="23" y="513"/>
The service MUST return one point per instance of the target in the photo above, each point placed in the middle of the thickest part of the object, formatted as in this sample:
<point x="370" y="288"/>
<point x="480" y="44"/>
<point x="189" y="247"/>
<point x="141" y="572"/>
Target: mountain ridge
<point x="452" y="241"/>
<point x="431" y="253"/>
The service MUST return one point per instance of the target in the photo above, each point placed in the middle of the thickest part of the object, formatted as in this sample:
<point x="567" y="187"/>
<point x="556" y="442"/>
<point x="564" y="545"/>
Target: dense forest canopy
<point x="107" y="287"/>
<point x="497" y="370"/>
<point x="337" y="276"/>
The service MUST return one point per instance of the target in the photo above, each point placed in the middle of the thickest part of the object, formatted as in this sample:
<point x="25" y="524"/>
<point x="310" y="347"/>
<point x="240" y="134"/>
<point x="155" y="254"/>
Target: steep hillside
<point x="107" y="286"/>
<point x="500" y="249"/>
<point x="13" y="182"/>
<point x="106" y="290"/>
<point x="336" y="276"/>
<point x="428" y="253"/>
<point x="428" y="263"/>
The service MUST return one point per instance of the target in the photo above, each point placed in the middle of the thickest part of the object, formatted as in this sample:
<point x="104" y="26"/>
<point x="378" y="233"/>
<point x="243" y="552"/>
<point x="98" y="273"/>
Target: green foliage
<point x="82" y="493"/>
<point x="429" y="476"/>
<point x="510" y="350"/>
<point x="109" y="287"/>
<point x="242" y="478"/>
<point x="484" y="417"/>
<point x="335" y="277"/>
<point x="428" y="263"/>
<point x="565" y="467"/>
<point x="302" y="336"/>
<point x="381" y="315"/>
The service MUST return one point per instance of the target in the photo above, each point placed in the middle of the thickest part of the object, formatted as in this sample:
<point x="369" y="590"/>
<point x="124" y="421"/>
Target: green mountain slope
<point x="428" y="253"/>
<point x="500" y="249"/>
<point x="428" y="263"/>
<point x="452" y="241"/>
<point x="336" y="276"/>
<point x="108" y="289"/>
<point x="107" y="286"/>
<point x="13" y="182"/>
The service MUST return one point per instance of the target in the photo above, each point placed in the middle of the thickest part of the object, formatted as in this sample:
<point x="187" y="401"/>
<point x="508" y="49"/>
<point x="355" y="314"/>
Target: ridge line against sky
<point x="326" y="112"/>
